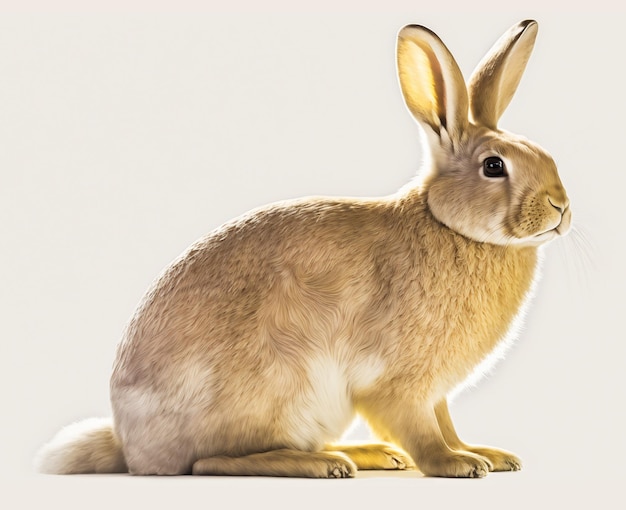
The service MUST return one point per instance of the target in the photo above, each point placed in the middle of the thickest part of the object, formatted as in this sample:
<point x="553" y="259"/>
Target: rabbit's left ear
<point x="498" y="74"/>
<point x="432" y="84"/>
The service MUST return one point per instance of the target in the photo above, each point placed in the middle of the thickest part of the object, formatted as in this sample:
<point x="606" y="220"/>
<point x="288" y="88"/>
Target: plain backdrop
<point x="128" y="131"/>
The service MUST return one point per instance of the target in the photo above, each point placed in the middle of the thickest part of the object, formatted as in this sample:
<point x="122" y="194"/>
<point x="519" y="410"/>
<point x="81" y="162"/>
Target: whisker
<point x="579" y="256"/>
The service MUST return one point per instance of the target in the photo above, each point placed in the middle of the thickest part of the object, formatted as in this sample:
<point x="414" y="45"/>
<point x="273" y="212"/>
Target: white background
<point x="128" y="132"/>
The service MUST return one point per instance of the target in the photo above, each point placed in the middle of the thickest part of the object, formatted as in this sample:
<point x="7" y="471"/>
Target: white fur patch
<point x="365" y="373"/>
<point x="325" y="410"/>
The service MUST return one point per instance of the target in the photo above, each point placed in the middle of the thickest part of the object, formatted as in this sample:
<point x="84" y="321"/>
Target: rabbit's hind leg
<point x="285" y="462"/>
<point x="375" y="455"/>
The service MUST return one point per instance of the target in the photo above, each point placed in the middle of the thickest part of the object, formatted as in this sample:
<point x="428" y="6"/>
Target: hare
<point x="254" y="350"/>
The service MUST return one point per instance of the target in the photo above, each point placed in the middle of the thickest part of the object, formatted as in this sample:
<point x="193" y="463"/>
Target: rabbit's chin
<point x="534" y="240"/>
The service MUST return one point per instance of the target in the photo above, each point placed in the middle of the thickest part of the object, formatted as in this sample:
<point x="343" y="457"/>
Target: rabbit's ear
<point x="498" y="74"/>
<point x="432" y="83"/>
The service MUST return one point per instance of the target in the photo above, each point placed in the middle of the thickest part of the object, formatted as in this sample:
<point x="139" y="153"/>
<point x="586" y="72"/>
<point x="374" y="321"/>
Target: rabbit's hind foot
<point x="290" y="463"/>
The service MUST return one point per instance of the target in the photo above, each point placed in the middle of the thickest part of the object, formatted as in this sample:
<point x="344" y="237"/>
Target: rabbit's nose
<point x="558" y="199"/>
<point x="558" y="206"/>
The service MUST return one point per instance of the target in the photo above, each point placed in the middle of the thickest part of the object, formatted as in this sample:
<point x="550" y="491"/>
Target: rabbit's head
<point x="482" y="182"/>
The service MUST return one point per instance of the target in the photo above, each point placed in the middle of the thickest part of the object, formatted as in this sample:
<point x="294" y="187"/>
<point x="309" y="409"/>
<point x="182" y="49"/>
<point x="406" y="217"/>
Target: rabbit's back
<point x="277" y="270"/>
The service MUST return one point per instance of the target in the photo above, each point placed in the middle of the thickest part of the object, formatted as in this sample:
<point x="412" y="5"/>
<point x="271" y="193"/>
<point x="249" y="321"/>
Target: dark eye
<point x="494" y="167"/>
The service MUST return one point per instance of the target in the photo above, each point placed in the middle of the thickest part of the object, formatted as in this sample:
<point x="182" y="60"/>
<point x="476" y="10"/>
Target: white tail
<point x="89" y="446"/>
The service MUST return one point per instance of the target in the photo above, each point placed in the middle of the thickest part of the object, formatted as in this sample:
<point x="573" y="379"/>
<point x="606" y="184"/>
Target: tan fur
<point x="254" y="350"/>
<point x="285" y="462"/>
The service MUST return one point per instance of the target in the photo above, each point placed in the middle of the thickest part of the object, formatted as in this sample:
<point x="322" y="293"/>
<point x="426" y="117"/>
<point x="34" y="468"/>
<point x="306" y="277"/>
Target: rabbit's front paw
<point x="501" y="460"/>
<point x="456" y="465"/>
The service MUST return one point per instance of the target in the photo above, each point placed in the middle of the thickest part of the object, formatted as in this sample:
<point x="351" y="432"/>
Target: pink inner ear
<point x="432" y="83"/>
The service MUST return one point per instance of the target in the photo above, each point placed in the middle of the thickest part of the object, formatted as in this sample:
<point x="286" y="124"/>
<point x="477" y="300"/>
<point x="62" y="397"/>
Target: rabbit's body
<point x="248" y="344"/>
<point x="254" y="350"/>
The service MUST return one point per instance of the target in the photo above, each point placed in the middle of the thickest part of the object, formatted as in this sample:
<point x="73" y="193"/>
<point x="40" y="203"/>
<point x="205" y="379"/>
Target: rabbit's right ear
<point x="432" y="83"/>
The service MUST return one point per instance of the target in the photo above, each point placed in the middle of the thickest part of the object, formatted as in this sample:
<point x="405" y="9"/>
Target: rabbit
<point x="252" y="352"/>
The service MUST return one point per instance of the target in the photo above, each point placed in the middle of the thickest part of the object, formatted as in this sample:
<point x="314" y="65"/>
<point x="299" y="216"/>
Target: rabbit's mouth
<point x="560" y="230"/>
